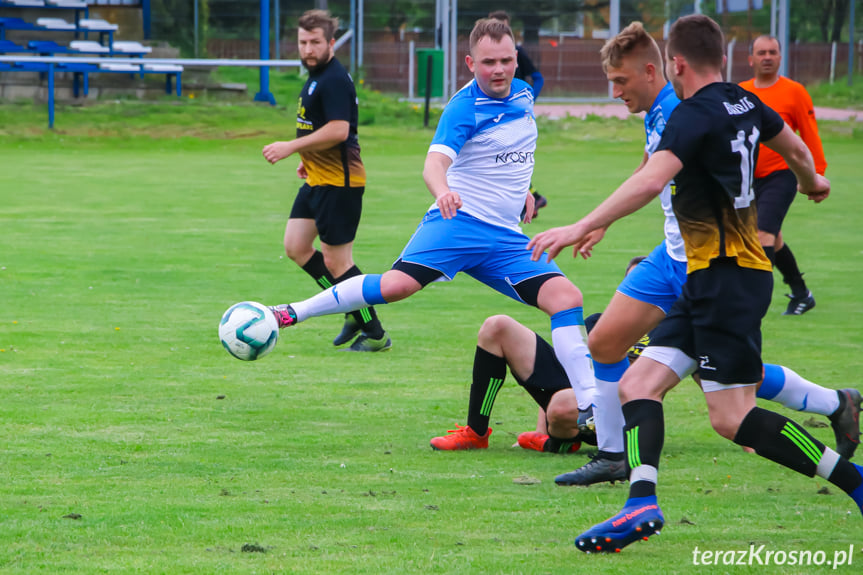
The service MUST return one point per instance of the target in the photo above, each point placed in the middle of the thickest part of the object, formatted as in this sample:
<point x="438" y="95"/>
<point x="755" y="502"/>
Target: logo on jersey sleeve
<point x="312" y="87"/>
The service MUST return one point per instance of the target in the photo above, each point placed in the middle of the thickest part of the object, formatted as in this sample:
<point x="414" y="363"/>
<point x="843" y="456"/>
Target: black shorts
<point x="548" y="375"/>
<point x="336" y="211"/>
<point x="717" y="321"/>
<point x="773" y="196"/>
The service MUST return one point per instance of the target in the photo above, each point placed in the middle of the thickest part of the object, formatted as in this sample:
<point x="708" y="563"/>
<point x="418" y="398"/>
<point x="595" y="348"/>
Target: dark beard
<point x="318" y="68"/>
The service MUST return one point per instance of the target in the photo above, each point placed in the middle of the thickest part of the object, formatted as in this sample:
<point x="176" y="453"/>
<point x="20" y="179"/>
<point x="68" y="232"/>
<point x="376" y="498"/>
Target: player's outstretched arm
<point x="632" y="195"/>
<point x="330" y="134"/>
<point x="794" y="151"/>
<point x="434" y="174"/>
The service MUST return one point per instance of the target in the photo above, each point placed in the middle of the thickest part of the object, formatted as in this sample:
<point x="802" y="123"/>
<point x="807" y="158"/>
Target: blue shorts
<point x="657" y="280"/>
<point x="494" y="255"/>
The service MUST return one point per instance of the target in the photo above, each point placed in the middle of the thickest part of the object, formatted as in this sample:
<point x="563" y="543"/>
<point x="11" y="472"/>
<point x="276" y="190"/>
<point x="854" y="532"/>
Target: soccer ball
<point x="249" y="330"/>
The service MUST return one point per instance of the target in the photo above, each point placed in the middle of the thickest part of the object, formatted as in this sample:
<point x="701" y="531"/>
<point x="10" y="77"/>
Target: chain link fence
<point x="563" y="37"/>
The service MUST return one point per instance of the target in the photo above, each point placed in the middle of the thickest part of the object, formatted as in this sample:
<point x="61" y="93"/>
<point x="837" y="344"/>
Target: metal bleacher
<point x="103" y="56"/>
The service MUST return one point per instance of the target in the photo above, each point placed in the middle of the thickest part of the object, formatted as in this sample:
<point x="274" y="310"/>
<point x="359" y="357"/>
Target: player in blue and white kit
<point x="633" y="64"/>
<point x="478" y="170"/>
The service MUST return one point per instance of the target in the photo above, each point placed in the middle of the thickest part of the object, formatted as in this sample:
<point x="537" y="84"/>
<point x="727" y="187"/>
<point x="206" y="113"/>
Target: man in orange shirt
<point x="775" y="184"/>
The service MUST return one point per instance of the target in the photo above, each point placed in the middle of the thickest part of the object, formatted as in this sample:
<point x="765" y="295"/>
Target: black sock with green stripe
<point x="644" y="434"/>
<point x="366" y="317"/>
<point x="777" y="438"/>
<point x="489" y="371"/>
<point x="316" y="268"/>
<point x="558" y="444"/>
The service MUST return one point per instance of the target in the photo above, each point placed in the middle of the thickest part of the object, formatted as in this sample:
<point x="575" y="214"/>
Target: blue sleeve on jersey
<point x="538" y="83"/>
<point x="457" y="124"/>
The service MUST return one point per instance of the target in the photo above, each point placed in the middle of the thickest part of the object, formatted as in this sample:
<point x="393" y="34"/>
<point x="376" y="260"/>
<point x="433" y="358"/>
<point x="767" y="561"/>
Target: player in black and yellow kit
<point x="330" y="203"/>
<point x="710" y="148"/>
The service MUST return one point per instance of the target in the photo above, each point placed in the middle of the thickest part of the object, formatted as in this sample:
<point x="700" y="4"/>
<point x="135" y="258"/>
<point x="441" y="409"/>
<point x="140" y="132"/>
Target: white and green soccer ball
<point x="249" y="330"/>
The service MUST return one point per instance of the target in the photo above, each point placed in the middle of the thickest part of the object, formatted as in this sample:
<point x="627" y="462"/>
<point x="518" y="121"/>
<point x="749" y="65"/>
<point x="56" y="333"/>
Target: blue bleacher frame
<point x="85" y="8"/>
<point x="7" y="23"/>
<point x="81" y="71"/>
<point x="7" y="61"/>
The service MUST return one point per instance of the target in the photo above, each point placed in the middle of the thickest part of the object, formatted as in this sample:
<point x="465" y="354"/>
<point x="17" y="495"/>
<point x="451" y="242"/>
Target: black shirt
<point x="329" y="94"/>
<point x="715" y="133"/>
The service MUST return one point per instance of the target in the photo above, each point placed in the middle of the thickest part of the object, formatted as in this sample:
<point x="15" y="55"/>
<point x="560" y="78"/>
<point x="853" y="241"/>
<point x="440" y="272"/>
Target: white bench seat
<point x="97" y="25"/>
<point x="88" y="46"/>
<point x="66" y="3"/>
<point x="127" y="47"/>
<point x="112" y="67"/>
<point x="167" y="68"/>
<point x="54" y="24"/>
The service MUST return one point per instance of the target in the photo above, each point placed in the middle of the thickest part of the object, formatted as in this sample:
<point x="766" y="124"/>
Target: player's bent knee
<point x="558" y="294"/>
<point x="562" y="410"/>
<point x="299" y="254"/>
<point x="493" y="327"/>
<point x="604" y="349"/>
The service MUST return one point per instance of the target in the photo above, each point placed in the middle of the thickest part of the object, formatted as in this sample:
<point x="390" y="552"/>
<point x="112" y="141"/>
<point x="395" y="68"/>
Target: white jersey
<point x="654" y="124"/>
<point x="491" y="142"/>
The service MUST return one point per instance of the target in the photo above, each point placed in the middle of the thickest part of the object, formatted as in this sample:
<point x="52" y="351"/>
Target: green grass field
<point x="132" y="443"/>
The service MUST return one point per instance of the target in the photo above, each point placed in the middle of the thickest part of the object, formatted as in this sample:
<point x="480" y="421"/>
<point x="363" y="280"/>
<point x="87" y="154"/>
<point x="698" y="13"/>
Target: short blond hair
<point x="631" y="41"/>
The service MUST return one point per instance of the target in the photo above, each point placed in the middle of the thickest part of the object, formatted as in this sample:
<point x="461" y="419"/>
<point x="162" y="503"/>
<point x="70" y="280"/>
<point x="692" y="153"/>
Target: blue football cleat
<point x="640" y="518"/>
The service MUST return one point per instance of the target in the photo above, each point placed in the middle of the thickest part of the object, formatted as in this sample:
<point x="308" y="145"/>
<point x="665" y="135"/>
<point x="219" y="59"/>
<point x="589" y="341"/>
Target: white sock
<point x="803" y="395"/>
<point x="608" y="415"/>
<point x="568" y="337"/>
<point x="350" y="295"/>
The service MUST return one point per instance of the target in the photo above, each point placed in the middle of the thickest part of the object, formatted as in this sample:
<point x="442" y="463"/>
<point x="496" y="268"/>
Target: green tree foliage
<point x="173" y="22"/>
<point x="818" y="20"/>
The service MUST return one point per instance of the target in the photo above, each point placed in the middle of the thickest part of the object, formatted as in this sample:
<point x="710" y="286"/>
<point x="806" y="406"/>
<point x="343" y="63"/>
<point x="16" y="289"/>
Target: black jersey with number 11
<point x="715" y="134"/>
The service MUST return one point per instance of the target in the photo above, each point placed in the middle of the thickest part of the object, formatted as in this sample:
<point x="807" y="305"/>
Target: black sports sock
<point x="770" y="252"/>
<point x="610" y="455"/>
<point x="787" y="265"/>
<point x="316" y="268"/>
<point x="558" y="444"/>
<point x="644" y="434"/>
<point x="366" y="317"/>
<point x="779" y="439"/>
<point x="489" y="371"/>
